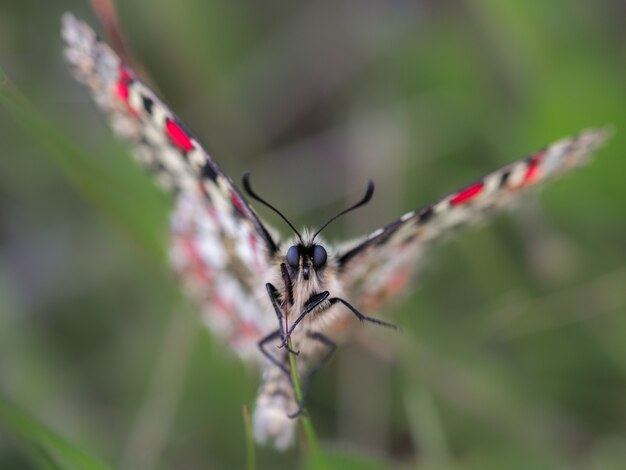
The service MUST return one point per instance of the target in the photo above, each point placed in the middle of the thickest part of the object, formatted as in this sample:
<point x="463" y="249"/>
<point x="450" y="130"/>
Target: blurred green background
<point x="514" y="349"/>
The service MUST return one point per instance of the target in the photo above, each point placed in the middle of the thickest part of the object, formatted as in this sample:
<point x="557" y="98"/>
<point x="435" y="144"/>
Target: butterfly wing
<point x="376" y="268"/>
<point x="219" y="245"/>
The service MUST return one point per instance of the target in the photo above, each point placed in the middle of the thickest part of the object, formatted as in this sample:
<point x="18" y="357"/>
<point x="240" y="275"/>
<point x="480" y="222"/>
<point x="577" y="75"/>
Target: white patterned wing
<point x="377" y="268"/>
<point x="219" y="246"/>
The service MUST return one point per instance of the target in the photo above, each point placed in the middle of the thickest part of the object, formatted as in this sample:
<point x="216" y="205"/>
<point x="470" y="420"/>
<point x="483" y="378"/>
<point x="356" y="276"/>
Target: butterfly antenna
<point x="252" y="194"/>
<point x="368" y="196"/>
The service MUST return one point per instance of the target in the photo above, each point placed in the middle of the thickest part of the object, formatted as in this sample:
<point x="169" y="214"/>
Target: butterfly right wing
<point x="219" y="245"/>
<point x="376" y="269"/>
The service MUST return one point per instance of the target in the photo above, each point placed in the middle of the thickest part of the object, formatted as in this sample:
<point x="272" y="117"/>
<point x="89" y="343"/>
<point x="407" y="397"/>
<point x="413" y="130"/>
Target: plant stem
<point x="250" y="448"/>
<point x="305" y="420"/>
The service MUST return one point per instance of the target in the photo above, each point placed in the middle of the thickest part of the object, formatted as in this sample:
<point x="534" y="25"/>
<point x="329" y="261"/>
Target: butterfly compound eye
<point x="319" y="256"/>
<point x="293" y="256"/>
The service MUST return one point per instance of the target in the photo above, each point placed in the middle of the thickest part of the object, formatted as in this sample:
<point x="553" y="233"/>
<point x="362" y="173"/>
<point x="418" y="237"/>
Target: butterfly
<point x="267" y="297"/>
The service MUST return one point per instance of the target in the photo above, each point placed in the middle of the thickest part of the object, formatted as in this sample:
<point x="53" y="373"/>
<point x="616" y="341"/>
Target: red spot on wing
<point x="123" y="82"/>
<point x="212" y="213"/>
<point x="178" y="136"/>
<point x="255" y="249"/>
<point x="197" y="265"/>
<point x="223" y="304"/>
<point x="122" y="89"/>
<point x="397" y="281"/>
<point x="237" y="202"/>
<point x="466" y="194"/>
<point x="252" y="240"/>
<point x="532" y="172"/>
<point x="249" y="330"/>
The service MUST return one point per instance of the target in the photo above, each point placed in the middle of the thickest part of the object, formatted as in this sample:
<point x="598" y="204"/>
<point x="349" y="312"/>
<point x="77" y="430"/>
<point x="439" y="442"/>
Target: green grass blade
<point x="45" y="459"/>
<point x="47" y="445"/>
<point x="250" y="447"/>
<point x="93" y="178"/>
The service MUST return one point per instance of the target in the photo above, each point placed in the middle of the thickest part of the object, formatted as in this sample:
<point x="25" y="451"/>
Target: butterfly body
<point x="255" y="291"/>
<point x="297" y="283"/>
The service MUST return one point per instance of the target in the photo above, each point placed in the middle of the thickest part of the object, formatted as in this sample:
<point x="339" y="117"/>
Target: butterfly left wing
<point x="375" y="269"/>
<point x="219" y="246"/>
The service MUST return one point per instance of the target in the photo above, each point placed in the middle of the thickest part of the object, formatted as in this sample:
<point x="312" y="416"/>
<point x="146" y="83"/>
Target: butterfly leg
<point x="288" y="283"/>
<point x="362" y="317"/>
<point x="311" y="304"/>
<point x="272" y="292"/>
<point x="331" y="346"/>
<point x="273" y="359"/>
<point x="282" y="366"/>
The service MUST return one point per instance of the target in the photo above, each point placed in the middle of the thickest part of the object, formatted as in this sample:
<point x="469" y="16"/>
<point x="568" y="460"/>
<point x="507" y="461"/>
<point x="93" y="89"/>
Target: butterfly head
<point x="305" y="255"/>
<point x="306" y="258"/>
